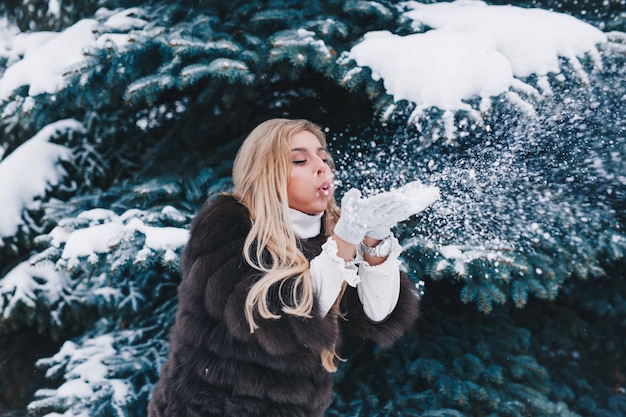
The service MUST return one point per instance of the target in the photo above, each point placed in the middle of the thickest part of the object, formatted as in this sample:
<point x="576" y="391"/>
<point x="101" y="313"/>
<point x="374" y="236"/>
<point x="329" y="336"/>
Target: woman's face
<point x="310" y="183"/>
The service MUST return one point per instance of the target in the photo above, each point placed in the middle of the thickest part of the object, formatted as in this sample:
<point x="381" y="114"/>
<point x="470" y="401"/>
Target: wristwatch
<point x="381" y="250"/>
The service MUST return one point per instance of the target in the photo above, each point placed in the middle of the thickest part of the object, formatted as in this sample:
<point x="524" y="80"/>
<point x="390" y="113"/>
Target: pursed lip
<point x="325" y="188"/>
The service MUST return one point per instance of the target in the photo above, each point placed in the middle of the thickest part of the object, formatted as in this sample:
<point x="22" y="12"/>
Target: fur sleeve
<point x="279" y="336"/>
<point x="216" y="275"/>
<point x="211" y="262"/>
<point x="387" y="332"/>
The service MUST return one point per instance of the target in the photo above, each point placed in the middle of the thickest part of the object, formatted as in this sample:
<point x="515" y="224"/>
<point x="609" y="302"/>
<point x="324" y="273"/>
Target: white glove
<point x="375" y="215"/>
<point x="418" y="197"/>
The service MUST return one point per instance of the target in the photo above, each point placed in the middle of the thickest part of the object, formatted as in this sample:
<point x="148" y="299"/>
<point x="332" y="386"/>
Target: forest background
<point x="129" y="118"/>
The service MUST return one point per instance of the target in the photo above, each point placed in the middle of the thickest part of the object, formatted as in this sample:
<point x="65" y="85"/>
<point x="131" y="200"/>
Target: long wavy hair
<point x="260" y="174"/>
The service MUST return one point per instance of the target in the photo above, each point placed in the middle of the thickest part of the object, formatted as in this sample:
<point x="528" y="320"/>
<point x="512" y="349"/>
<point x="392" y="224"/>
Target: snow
<point x="8" y="33"/>
<point x="455" y="257"/>
<point x="302" y="37"/>
<point x="88" y="369"/>
<point x="418" y="196"/>
<point x="34" y="167"/>
<point x="97" y="214"/>
<point x="489" y="75"/>
<point x="530" y="39"/>
<point x="95" y="239"/>
<point x="108" y="293"/>
<point x="160" y="238"/>
<point x="54" y="7"/>
<point x="43" y="52"/>
<point x="43" y="57"/>
<point x="165" y="237"/>
<point x="101" y="238"/>
<point x="125" y="20"/>
<point x="29" y="171"/>
<point x="473" y="49"/>
<point x="19" y="285"/>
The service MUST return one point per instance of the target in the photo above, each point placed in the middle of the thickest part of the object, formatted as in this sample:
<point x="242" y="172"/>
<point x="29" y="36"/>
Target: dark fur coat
<point x="216" y="367"/>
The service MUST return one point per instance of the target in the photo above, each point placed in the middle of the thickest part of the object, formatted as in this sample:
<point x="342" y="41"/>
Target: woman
<point x="272" y="275"/>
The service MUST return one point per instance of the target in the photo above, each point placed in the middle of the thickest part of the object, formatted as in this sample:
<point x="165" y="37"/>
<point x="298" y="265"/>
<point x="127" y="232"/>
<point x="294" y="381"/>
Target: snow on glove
<point x="358" y="215"/>
<point x="417" y="197"/>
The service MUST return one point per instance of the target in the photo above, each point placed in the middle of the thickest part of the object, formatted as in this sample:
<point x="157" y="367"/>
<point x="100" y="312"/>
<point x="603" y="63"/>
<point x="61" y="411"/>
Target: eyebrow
<point x="321" y="148"/>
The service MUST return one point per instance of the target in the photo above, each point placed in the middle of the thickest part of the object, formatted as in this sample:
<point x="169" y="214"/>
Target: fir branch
<point x="231" y="70"/>
<point x="371" y="10"/>
<point x="274" y="18"/>
<point x="328" y="28"/>
<point x="148" y="89"/>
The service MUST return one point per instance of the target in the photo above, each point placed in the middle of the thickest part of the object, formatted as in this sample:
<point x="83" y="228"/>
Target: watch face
<point x="384" y="248"/>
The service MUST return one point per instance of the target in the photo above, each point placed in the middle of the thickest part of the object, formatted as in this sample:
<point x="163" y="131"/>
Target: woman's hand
<point x="358" y="215"/>
<point x="377" y="214"/>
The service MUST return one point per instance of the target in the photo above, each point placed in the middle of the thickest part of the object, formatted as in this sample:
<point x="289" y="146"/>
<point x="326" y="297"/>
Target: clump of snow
<point x="97" y="214"/>
<point x="160" y="238"/>
<point x="94" y="239"/>
<point x="20" y="286"/>
<point x="54" y="8"/>
<point x="172" y="213"/>
<point x="43" y="64"/>
<point x="165" y="238"/>
<point x="87" y="371"/>
<point x="532" y="40"/>
<point x="107" y="230"/>
<point x="8" y="31"/>
<point x="29" y="171"/>
<point x="124" y="20"/>
<point x="456" y="258"/>
<point x="429" y="76"/>
<point x="473" y="50"/>
<point x="40" y="59"/>
<point x="301" y="37"/>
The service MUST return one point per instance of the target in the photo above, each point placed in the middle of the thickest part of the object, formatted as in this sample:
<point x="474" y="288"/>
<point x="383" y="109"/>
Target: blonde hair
<point x="260" y="175"/>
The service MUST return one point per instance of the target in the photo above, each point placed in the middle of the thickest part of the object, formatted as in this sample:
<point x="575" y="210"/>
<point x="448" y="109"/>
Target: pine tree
<point x="522" y="260"/>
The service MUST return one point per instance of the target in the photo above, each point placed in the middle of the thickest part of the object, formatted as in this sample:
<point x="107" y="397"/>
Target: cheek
<point x="292" y="186"/>
<point x="296" y="186"/>
<point x="296" y="179"/>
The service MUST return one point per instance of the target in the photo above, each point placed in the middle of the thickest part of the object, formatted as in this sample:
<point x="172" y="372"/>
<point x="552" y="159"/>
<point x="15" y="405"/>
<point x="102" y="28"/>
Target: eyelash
<point x="303" y="161"/>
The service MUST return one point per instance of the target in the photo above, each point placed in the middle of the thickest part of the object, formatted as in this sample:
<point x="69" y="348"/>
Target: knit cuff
<point x="348" y="232"/>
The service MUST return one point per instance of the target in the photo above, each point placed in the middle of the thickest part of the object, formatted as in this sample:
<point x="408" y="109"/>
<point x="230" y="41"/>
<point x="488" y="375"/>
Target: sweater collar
<point x="305" y="225"/>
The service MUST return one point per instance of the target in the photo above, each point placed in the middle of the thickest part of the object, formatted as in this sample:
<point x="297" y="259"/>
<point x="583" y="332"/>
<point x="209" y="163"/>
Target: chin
<point x="316" y="209"/>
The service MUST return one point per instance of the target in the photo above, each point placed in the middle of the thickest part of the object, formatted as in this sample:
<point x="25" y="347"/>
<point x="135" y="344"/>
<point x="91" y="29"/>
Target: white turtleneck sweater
<point x="378" y="286"/>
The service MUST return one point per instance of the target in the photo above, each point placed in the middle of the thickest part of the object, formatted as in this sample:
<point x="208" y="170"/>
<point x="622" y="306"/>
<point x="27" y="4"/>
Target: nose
<point x="321" y="167"/>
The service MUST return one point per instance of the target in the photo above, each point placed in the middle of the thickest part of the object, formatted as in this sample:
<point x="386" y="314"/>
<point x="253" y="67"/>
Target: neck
<point x="305" y="225"/>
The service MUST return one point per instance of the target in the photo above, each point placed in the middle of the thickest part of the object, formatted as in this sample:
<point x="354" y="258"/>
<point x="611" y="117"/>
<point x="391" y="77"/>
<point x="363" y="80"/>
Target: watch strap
<point x="381" y="250"/>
